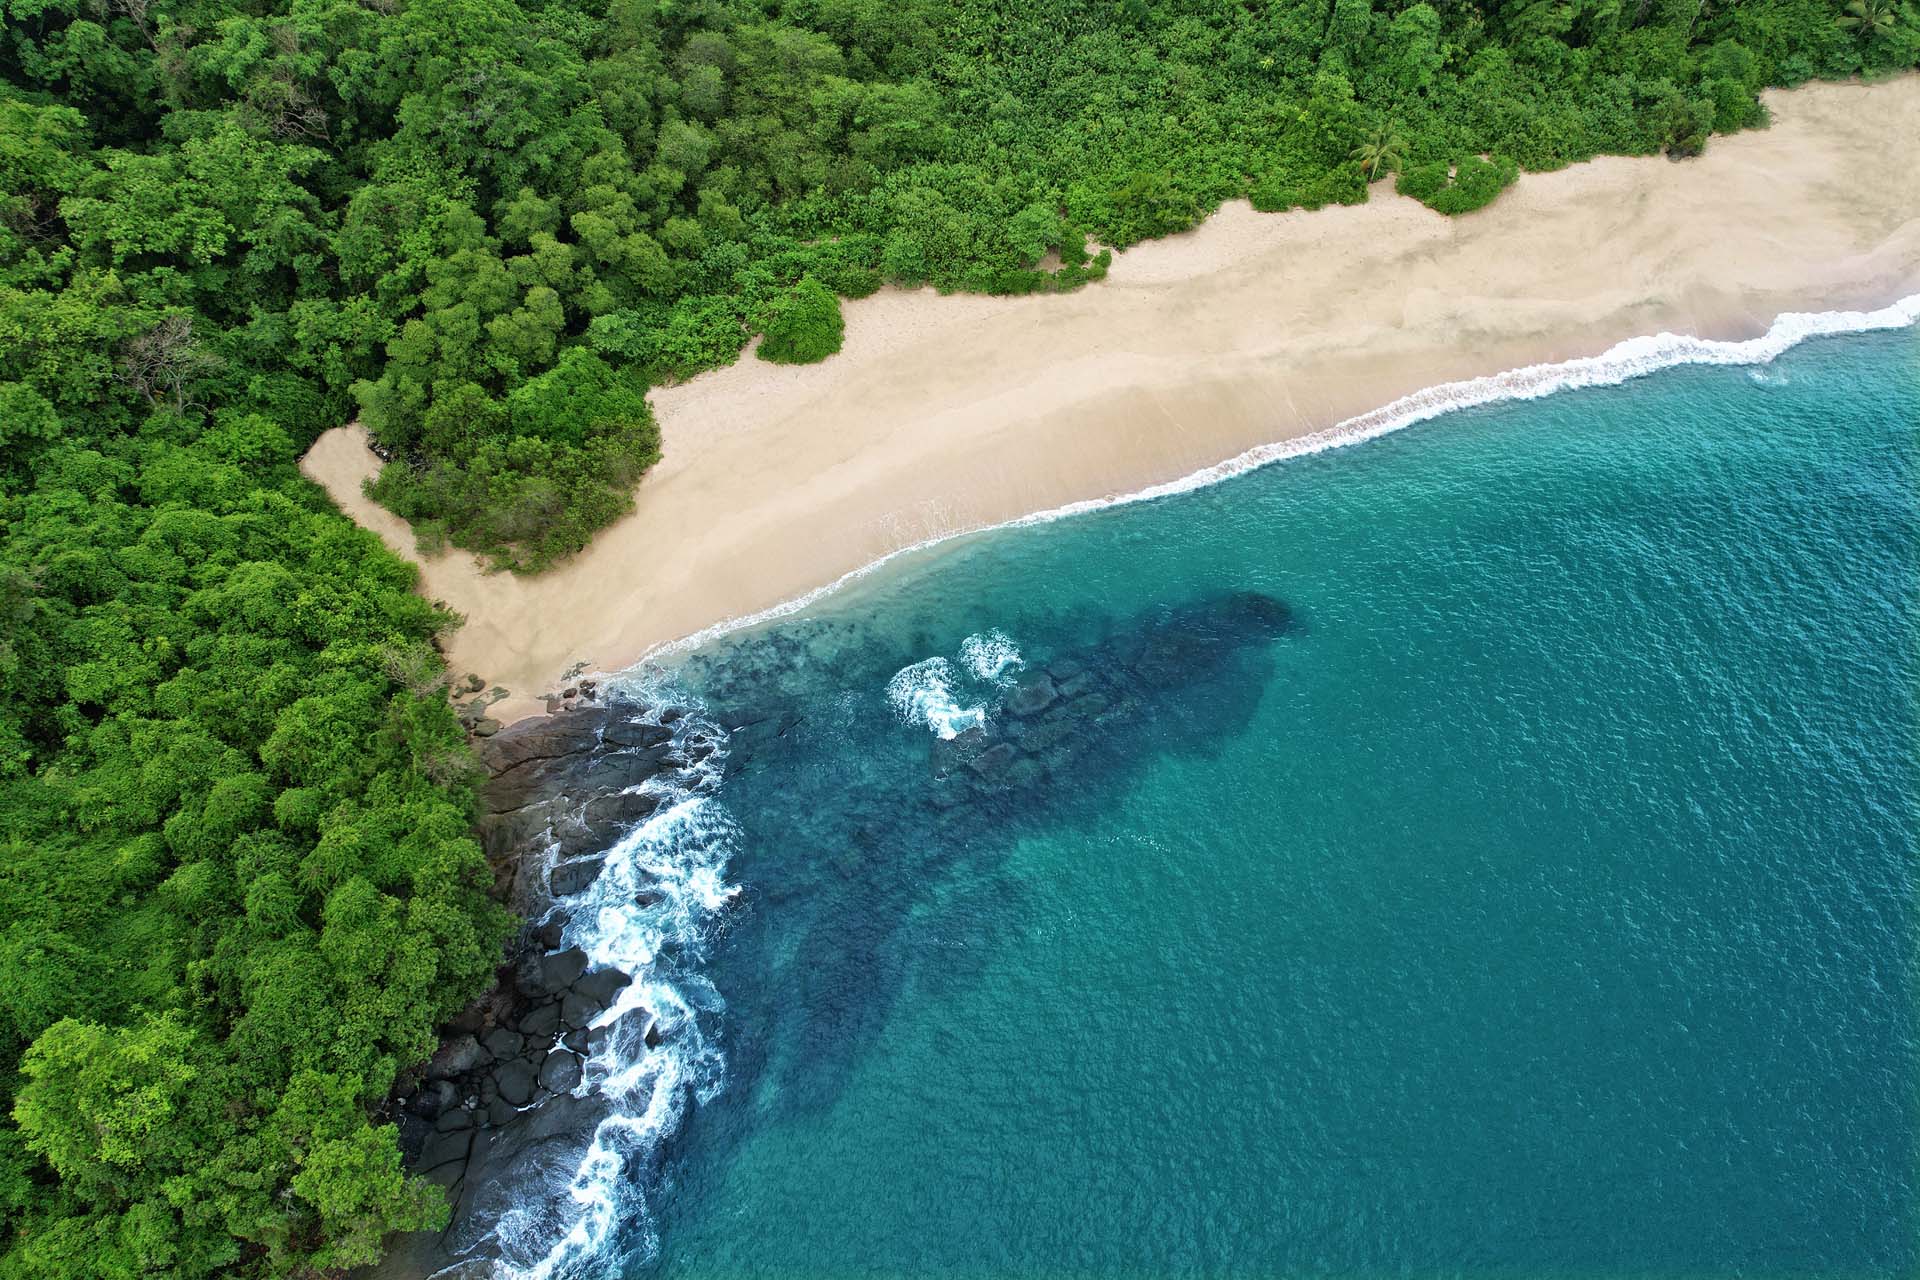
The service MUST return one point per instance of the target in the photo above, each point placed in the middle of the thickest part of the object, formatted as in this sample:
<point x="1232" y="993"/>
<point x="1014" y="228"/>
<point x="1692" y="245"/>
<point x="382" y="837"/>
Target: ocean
<point x="1490" y="848"/>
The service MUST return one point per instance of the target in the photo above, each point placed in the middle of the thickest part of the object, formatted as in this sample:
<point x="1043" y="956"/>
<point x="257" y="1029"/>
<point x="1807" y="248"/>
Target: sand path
<point x="947" y="413"/>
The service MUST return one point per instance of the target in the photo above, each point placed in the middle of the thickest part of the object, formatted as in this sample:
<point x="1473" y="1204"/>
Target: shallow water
<point x="1537" y="898"/>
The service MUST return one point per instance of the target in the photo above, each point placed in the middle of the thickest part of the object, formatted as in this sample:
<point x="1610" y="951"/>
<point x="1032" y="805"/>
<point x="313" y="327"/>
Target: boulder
<point x="468" y="1021"/>
<point x="515" y="1080"/>
<point x="1033" y="697"/>
<point x="486" y="727"/>
<point x="1089" y="705"/>
<point x="570" y="878"/>
<point x="457" y="1057"/>
<point x="560" y="1073"/>
<point x="552" y="931"/>
<point x="561" y="970"/>
<point x="453" y="1119"/>
<point x="1074" y="686"/>
<point x="653" y="1036"/>
<point x="541" y="1025"/>
<point x="577" y="1010"/>
<point x="601" y="985"/>
<point x="503" y="1042"/>
<point x="992" y="763"/>
<point x="500" y="1112"/>
<point x="577" y="1040"/>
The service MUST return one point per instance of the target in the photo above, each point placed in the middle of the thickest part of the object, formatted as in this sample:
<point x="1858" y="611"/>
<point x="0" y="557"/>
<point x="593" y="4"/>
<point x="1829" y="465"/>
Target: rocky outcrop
<point x="509" y="1074"/>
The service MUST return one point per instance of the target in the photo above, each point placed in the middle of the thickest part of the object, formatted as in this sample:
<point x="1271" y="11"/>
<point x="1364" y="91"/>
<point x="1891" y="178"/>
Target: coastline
<point x="1252" y="332"/>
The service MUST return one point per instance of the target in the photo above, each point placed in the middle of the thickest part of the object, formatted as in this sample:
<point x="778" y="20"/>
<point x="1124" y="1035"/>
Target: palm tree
<point x="1869" y="17"/>
<point x="1385" y="150"/>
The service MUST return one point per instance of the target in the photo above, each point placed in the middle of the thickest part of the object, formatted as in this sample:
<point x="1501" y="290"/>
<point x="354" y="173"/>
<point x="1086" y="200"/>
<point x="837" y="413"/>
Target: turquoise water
<point x="1539" y="899"/>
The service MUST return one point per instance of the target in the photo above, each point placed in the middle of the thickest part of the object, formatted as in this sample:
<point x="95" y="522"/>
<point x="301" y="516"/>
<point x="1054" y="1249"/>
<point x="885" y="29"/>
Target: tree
<point x="1384" y="151"/>
<point x="1874" y="19"/>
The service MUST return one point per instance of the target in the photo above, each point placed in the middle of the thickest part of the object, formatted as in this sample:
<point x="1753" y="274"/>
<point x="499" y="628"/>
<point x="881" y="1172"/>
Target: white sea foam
<point x="923" y="694"/>
<point x="1634" y="358"/>
<point x="991" y="656"/>
<point x="649" y="914"/>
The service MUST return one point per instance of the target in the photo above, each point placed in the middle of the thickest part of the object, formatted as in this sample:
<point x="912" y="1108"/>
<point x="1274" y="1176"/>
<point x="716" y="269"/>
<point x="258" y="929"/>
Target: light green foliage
<point x="237" y="891"/>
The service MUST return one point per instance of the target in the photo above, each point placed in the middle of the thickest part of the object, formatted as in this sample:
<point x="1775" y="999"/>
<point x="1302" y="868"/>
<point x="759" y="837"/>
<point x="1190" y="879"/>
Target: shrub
<point x="803" y="326"/>
<point x="1473" y="183"/>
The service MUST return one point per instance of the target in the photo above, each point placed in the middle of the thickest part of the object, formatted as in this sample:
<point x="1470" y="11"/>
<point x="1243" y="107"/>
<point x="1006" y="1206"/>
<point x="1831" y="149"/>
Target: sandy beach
<point x="944" y="414"/>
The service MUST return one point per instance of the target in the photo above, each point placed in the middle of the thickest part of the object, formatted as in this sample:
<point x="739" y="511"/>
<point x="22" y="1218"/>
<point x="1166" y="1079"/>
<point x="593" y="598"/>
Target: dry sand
<point x="947" y="413"/>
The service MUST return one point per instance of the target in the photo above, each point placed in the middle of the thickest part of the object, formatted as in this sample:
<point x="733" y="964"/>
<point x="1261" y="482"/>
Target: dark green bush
<point x="802" y="326"/>
<point x="1472" y="183"/>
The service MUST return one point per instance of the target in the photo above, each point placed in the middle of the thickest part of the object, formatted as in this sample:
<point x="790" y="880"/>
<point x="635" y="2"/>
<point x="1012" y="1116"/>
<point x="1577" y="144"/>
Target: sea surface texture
<point x="1488" y="849"/>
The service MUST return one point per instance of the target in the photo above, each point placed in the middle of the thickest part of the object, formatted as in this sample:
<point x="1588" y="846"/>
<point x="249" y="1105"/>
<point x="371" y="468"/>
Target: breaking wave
<point x="991" y="656"/>
<point x="650" y="913"/>
<point x="923" y="694"/>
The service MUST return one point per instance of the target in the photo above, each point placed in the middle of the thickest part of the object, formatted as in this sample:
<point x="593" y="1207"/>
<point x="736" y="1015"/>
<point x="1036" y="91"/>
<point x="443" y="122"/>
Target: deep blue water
<point x="1531" y="892"/>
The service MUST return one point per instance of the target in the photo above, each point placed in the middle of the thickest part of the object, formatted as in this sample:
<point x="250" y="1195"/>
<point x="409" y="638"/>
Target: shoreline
<point x="1254" y="334"/>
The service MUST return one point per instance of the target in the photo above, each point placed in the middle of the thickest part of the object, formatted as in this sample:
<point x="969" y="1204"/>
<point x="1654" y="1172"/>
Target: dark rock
<point x="577" y="1011"/>
<point x="618" y="770"/>
<point x="672" y="714"/>
<point x="486" y="726"/>
<point x="528" y="980"/>
<point x="468" y="1021"/>
<point x="1042" y="736"/>
<point x="577" y="1039"/>
<point x="452" y="1119"/>
<point x="503" y="1043"/>
<point x="457" y="1057"/>
<point x="741" y="717"/>
<point x="601" y="985"/>
<point x="436" y="1098"/>
<point x="500" y="1112"/>
<point x="541" y="1025"/>
<point x="649" y="898"/>
<point x="560" y="1073"/>
<point x="993" y="762"/>
<point x="1067" y="669"/>
<point x="653" y="1036"/>
<point x="1033" y="697"/>
<point x="570" y="878"/>
<point x="473" y="683"/>
<point x="1089" y="705"/>
<point x="552" y="931"/>
<point x="636" y="733"/>
<point x="530" y="742"/>
<point x="624" y="809"/>
<point x="561" y="970"/>
<point x="572" y="691"/>
<point x="959" y="751"/>
<point x="1024" y="772"/>
<point x="1074" y="686"/>
<point x="515" y="1080"/>
<point x="445" y="1149"/>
